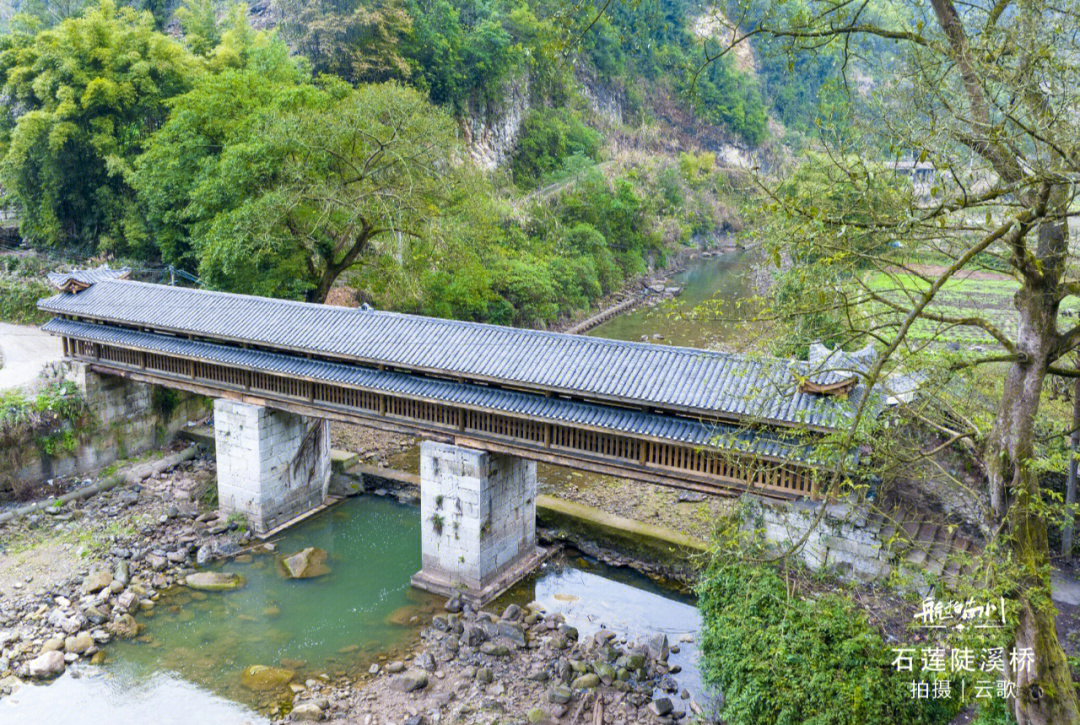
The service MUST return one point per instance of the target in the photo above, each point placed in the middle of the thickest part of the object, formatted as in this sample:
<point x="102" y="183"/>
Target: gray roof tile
<point x="709" y="384"/>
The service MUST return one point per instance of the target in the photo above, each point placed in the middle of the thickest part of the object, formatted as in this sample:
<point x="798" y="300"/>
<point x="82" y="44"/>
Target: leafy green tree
<point x="547" y="138"/>
<point x="312" y="182"/>
<point x="51" y="12"/>
<point x="86" y="96"/>
<point x="199" y="21"/>
<point x="359" y="41"/>
<point x="176" y="177"/>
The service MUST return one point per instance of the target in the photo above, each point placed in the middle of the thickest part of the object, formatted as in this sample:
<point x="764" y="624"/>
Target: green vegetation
<point x="53" y="420"/>
<point x="91" y="91"/>
<point x="18" y="300"/>
<point x="782" y="659"/>
<point x="226" y="156"/>
<point x="550" y="140"/>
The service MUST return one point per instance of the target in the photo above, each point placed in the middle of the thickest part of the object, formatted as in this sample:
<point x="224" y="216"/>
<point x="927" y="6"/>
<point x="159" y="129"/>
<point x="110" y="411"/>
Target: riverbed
<point x="189" y="658"/>
<point x="714" y="291"/>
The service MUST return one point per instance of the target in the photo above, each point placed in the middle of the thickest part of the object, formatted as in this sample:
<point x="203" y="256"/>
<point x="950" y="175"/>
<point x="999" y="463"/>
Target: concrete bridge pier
<point x="478" y="518"/>
<point x="272" y="466"/>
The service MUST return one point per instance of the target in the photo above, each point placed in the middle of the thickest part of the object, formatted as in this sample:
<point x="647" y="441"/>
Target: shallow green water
<point x="715" y="290"/>
<point x="189" y="669"/>
<point x="332" y="624"/>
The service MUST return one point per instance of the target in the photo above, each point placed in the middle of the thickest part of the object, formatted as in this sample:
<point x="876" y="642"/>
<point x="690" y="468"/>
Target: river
<point x="186" y="666"/>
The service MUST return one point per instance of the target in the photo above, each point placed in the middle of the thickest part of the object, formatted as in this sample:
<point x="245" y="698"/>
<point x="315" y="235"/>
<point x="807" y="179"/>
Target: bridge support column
<point x="478" y="518"/>
<point x="272" y="466"/>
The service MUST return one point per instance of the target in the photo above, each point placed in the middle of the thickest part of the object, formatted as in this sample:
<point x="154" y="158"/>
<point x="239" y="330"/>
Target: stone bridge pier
<point x="478" y="518"/>
<point x="272" y="466"/>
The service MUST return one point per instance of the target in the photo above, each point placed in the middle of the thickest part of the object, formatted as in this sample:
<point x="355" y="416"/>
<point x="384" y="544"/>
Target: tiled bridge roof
<point x="712" y="385"/>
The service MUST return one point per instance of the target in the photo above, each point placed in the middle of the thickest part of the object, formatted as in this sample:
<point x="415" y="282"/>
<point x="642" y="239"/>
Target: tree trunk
<point x="1070" y="484"/>
<point x="1045" y="692"/>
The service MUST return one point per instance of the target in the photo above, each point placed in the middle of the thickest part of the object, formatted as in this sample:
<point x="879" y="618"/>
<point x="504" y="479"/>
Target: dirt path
<point x="25" y="349"/>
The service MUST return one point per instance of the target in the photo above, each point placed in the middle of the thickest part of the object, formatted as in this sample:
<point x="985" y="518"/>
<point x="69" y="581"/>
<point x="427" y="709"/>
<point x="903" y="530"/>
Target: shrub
<point x="548" y="138"/>
<point x="783" y="660"/>
<point x="19" y="298"/>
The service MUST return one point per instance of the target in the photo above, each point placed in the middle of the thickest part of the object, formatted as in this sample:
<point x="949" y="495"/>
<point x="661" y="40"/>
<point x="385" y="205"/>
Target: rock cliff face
<point x="492" y="131"/>
<point x="607" y="102"/>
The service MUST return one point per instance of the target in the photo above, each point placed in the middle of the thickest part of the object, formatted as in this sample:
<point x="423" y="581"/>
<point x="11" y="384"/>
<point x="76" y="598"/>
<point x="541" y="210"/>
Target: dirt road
<point x="25" y="349"/>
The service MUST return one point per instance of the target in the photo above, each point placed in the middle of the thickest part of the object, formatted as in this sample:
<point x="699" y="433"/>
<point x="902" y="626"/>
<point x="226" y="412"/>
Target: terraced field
<point x="973" y="296"/>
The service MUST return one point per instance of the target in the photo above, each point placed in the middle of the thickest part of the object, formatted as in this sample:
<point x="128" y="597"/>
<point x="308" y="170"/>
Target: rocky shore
<point x="75" y="574"/>
<point x="75" y="577"/>
<point x="522" y="665"/>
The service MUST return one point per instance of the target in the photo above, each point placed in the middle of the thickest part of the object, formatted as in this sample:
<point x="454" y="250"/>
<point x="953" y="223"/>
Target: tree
<point x="84" y="98"/>
<point x="358" y="41"/>
<point x="199" y="21"/>
<point x="283" y="188"/>
<point x="986" y="93"/>
<point x="175" y="177"/>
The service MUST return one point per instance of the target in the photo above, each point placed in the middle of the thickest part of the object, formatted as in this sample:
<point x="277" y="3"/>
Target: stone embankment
<point x="525" y="664"/>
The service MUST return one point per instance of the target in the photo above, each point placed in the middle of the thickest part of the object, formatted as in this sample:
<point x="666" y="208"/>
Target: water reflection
<point x="100" y="697"/>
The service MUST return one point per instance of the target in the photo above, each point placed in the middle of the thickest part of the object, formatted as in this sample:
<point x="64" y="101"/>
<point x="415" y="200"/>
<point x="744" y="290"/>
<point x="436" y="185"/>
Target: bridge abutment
<point x="478" y="518"/>
<point x="272" y="465"/>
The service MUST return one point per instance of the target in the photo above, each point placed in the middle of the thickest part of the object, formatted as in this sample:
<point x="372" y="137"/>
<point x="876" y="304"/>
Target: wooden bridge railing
<point x="655" y="460"/>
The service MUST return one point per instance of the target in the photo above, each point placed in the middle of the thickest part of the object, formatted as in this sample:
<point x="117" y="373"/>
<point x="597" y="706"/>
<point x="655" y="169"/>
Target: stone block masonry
<point x="478" y="518"/>
<point x="839" y="539"/>
<point x="123" y="422"/>
<point x="272" y="466"/>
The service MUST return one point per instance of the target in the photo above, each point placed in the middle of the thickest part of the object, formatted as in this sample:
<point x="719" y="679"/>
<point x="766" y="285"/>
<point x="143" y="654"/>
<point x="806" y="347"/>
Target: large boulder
<point x="305" y="564"/>
<point x="262" y="677"/>
<point x="78" y="643"/>
<point x="410" y="680"/>
<point x="47" y="664"/>
<point x="308" y="711"/>
<point x="214" y="581"/>
<point x="124" y="626"/>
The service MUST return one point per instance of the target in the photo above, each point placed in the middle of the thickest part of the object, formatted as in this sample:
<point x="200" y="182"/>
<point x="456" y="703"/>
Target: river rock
<point x="214" y="581"/>
<point x="261" y="677"/>
<point x="96" y="581"/>
<point x="95" y="615"/>
<point x="493" y="649"/>
<point x="307" y="711"/>
<point x="125" y="601"/>
<point x="305" y="564"/>
<point x="409" y="681"/>
<point x="78" y="643"/>
<point x="454" y="603"/>
<point x="122" y="572"/>
<point x="560" y="695"/>
<point x="657" y="645"/>
<point x="661" y="706"/>
<point x="53" y="644"/>
<point x="47" y="664"/>
<point x="586" y="681"/>
<point x="124" y="626"/>
<point x="204" y="554"/>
